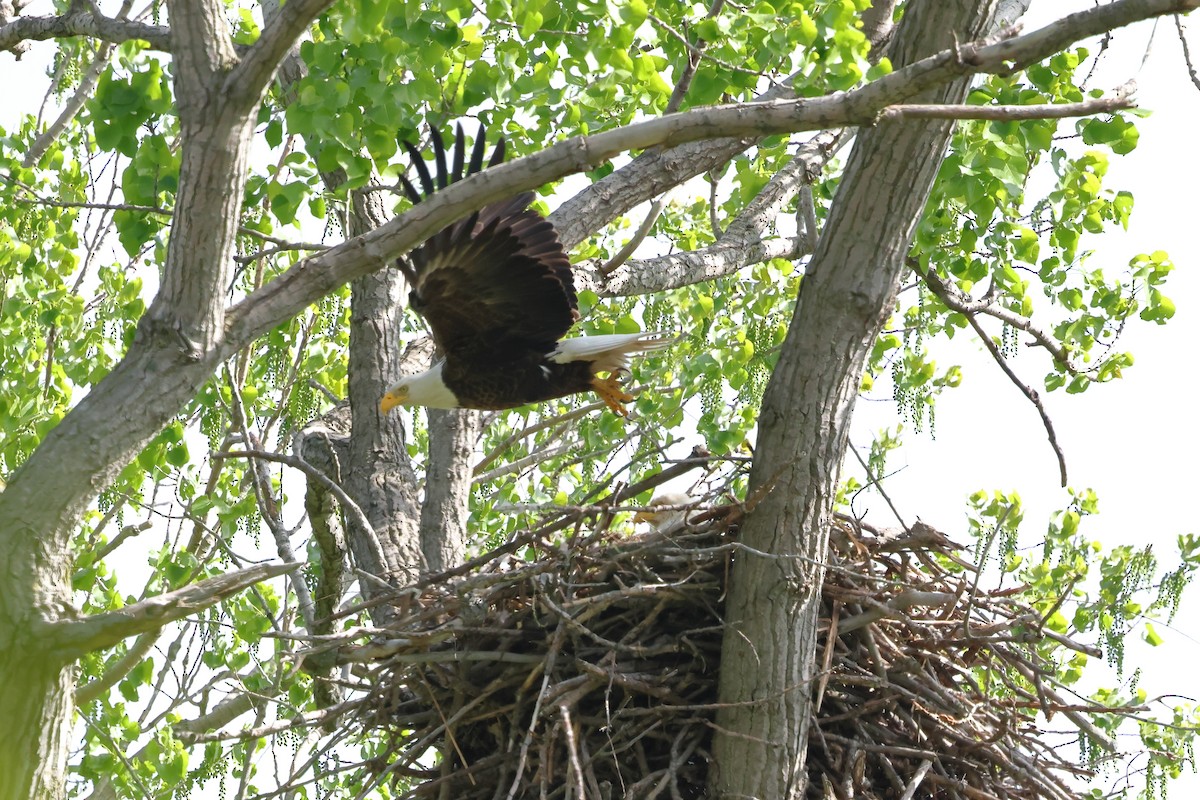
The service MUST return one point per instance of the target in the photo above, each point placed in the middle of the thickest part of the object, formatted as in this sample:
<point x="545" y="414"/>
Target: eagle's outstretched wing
<point x="496" y="280"/>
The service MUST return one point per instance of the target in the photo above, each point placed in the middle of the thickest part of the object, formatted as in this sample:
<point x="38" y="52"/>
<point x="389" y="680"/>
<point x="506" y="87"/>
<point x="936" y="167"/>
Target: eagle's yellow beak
<point x="393" y="398"/>
<point x="646" y="516"/>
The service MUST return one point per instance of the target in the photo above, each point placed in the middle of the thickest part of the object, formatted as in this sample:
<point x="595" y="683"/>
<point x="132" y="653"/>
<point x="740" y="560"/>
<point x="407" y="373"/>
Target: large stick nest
<point x="591" y="671"/>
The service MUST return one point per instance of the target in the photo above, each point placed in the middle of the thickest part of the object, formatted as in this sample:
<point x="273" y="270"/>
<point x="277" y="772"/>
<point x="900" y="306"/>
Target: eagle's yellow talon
<point x="613" y="394"/>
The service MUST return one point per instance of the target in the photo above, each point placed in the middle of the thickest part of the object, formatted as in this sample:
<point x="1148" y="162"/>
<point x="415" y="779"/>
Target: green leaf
<point x="806" y="29"/>
<point x="531" y="23"/>
<point x="177" y="456"/>
<point x="1159" y="308"/>
<point x="634" y="12"/>
<point x="274" y="133"/>
<point x="627" y="324"/>
<point x="1026" y="247"/>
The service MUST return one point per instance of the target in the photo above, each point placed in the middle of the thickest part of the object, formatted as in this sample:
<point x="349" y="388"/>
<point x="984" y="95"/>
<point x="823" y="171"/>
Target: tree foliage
<point x="222" y="701"/>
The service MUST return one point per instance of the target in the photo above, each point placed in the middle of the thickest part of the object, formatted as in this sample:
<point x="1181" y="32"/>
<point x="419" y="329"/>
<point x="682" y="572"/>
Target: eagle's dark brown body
<point x="496" y="385"/>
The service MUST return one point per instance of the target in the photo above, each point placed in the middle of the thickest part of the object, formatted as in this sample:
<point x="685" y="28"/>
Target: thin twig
<point x="312" y="472"/>
<point x="1030" y="393"/>
<point x="1187" y="55"/>
<point x="878" y="484"/>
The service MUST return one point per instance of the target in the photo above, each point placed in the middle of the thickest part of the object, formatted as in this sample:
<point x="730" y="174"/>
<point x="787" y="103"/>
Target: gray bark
<point x="448" y="480"/>
<point x="382" y="480"/>
<point x="769" y="656"/>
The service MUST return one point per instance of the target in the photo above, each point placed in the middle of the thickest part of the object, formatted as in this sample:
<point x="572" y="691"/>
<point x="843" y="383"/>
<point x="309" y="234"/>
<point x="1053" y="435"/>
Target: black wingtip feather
<point x="498" y="153"/>
<point x="418" y="163"/>
<point x="477" y="152"/>
<point x="439" y="153"/>
<point x="445" y="173"/>
<point x="460" y="151"/>
<point x="410" y="190"/>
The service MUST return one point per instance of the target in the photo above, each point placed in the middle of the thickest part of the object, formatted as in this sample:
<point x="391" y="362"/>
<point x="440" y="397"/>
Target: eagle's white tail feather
<point x="611" y="352"/>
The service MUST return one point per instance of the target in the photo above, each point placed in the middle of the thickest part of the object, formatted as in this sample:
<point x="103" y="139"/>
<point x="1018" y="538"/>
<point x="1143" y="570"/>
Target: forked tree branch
<point x="957" y="301"/>
<point x="284" y="27"/>
<point x="70" y="639"/>
<point x="742" y="243"/>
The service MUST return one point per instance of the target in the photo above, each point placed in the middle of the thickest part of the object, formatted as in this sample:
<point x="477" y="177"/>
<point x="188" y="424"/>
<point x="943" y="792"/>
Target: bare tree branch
<point x="227" y="711"/>
<point x="1121" y="98"/>
<point x="724" y="257"/>
<point x="742" y="243"/>
<point x="269" y="508"/>
<point x="957" y="301"/>
<point x="308" y="469"/>
<point x="1187" y="53"/>
<point x="118" y="670"/>
<point x="639" y="236"/>
<point x="70" y="639"/>
<point x="545" y="422"/>
<point x="82" y="23"/>
<point x="71" y="108"/>
<point x="942" y="291"/>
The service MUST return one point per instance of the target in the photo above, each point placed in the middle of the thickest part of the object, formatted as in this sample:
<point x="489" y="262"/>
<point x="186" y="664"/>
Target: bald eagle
<point x="668" y="520"/>
<point x="497" y="292"/>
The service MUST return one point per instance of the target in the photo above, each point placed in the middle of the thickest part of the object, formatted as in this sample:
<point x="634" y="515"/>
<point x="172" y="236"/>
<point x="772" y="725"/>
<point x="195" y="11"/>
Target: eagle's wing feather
<point x="499" y="278"/>
<point x="498" y="284"/>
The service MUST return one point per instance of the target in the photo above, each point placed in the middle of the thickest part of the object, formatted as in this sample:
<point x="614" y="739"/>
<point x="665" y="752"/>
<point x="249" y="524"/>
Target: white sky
<point x="1134" y="441"/>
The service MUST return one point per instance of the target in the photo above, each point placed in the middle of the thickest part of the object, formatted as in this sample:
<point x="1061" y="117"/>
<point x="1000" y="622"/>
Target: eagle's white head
<point x="423" y="389"/>
<point x="670" y="518"/>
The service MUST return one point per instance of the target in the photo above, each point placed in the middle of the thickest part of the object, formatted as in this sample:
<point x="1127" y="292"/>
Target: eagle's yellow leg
<point x="613" y="394"/>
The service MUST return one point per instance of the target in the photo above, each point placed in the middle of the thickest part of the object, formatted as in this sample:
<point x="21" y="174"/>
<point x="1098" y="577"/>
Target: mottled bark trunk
<point x="35" y="699"/>
<point x="768" y="663"/>
<point x="380" y="478"/>
<point x="452" y="438"/>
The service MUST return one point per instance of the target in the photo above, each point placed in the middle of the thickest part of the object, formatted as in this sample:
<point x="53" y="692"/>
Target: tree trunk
<point x="769" y="657"/>
<point x="36" y="698"/>
<point x="174" y="351"/>
<point x="448" y="477"/>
